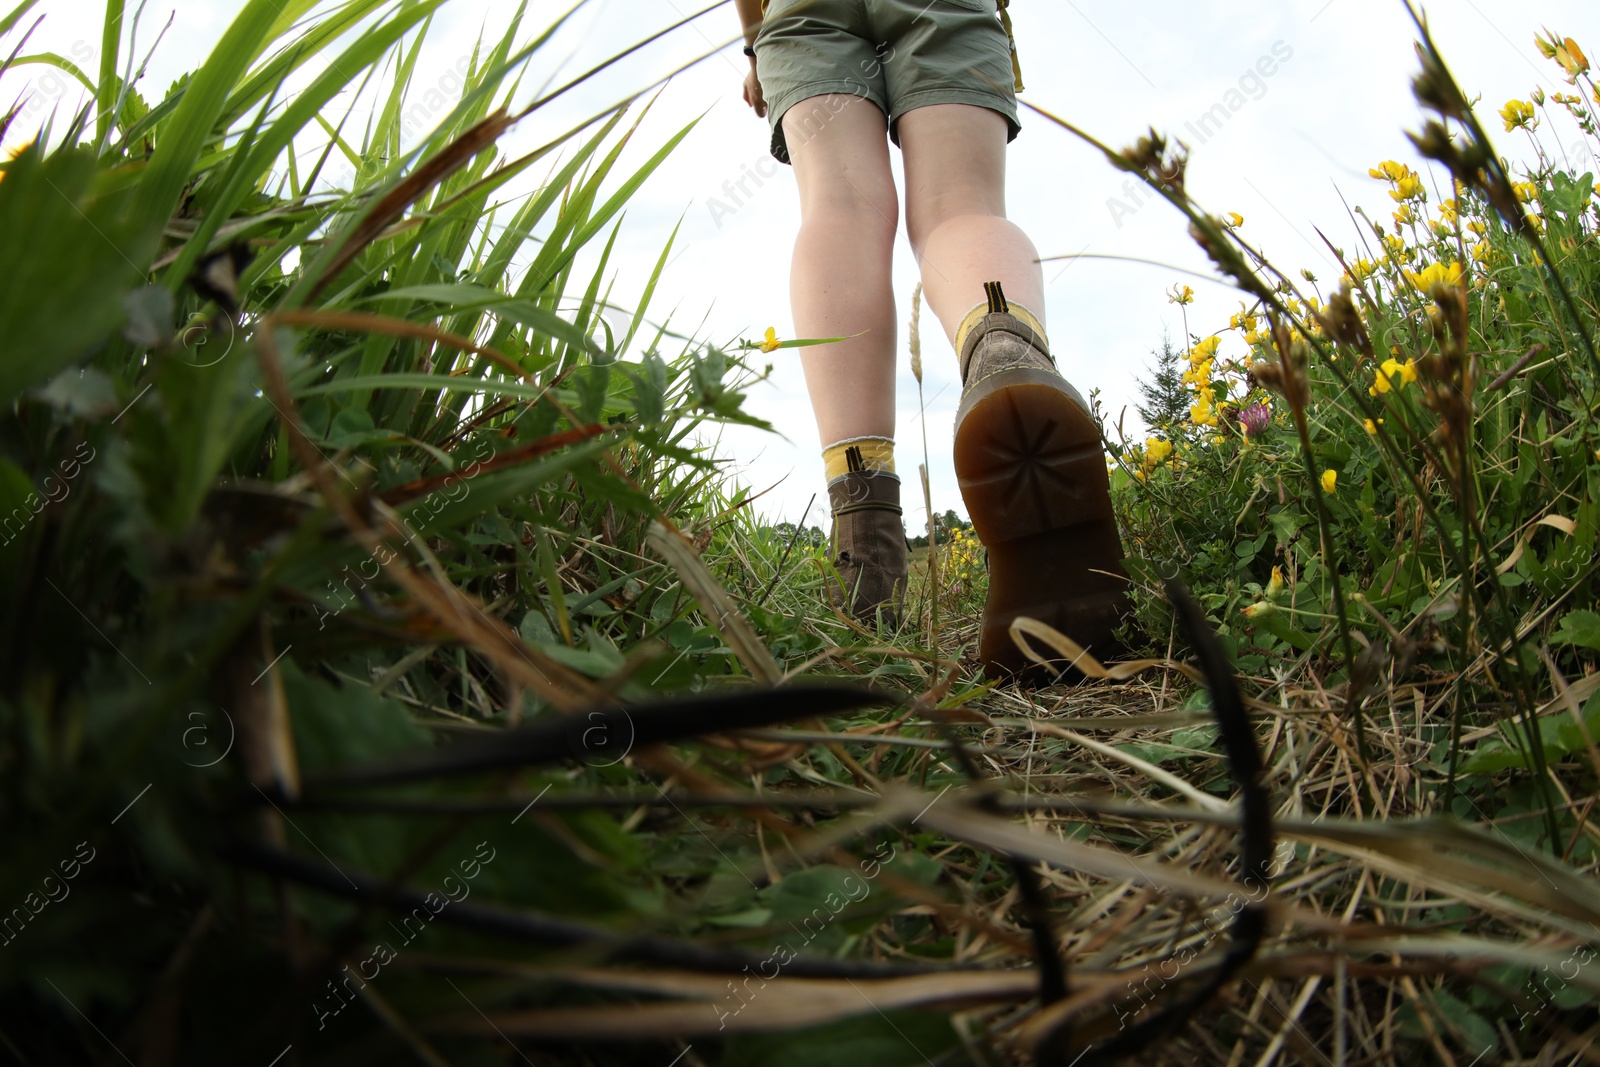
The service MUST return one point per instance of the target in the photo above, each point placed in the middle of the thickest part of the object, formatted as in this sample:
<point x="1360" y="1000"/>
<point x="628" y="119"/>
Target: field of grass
<point x="387" y="678"/>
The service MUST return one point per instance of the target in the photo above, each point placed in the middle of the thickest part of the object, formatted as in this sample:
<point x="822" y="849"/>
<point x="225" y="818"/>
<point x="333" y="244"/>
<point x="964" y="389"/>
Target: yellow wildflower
<point x="1181" y="295"/>
<point x="1518" y="115"/>
<point x="771" y="344"/>
<point x="1390" y="170"/>
<point x="1330" y="481"/>
<point x="1404" y="217"/>
<point x="1254" y="337"/>
<point x="1450" y="208"/>
<point x="1408" y="188"/>
<point x="1256" y="610"/>
<point x="1202" y="412"/>
<point x="1383" y="378"/>
<point x="1526" y="191"/>
<point x="1372" y="428"/>
<point x="1434" y="274"/>
<point x="1235" y="220"/>
<point x="1156" y="451"/>
<point x="1275" y="586"/>
<point x="1205" y="350"/>
<point x="1198" y="375"/>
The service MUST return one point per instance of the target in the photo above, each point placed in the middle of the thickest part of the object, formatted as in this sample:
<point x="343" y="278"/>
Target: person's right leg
<point x="841" y="286"/>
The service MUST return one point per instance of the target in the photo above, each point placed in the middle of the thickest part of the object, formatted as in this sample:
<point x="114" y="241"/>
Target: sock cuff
<point x="980" y="311"/>
<point x="859" y="454"/>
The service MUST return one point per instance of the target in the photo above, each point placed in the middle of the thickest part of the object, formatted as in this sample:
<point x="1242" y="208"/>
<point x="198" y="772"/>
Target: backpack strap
<point x="1005" y="20"/>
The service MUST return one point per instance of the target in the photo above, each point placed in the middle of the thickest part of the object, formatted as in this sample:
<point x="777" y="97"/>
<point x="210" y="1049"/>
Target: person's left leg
<point x="1028" y="454"/>
<point x="955" y="161"/>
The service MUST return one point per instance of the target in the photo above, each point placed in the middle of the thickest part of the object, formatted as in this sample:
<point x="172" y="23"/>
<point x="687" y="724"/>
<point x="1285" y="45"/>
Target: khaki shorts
<point x="900" y="54"/>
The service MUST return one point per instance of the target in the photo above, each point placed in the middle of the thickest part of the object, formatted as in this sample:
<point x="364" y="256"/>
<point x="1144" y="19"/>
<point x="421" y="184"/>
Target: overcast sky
<point x="1336" y="102"/>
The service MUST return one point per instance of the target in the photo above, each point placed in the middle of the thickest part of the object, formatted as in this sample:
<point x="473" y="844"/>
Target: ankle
<point x="998" y="313"/>
<point x="858" y="455"/>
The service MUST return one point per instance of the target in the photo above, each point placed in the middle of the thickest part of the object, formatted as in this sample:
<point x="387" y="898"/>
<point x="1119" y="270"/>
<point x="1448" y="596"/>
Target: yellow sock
<point x="977" y="314"/>
<point x="859" y="454"/>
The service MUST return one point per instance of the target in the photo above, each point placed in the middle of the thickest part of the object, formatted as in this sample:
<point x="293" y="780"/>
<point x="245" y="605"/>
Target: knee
<point x="867" y="207"/>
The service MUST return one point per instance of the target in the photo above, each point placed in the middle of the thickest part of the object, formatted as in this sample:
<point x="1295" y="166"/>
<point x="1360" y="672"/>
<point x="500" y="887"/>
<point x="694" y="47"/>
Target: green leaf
<point x="81" y="392"/>
<point x="1578" y="628"/>
<point x="16" y="14"/>
<point x="821" y="891"/>
<point x="344" y="725"/>
<point x="66" y="258"/>
<point x="535" y="628"/>
<point x="1479" y="1036"/>
<point x="110" y="49"/>
<point x="650" y="387"/>
<point x="149" y="312"/>
<point x="59" y="62"/>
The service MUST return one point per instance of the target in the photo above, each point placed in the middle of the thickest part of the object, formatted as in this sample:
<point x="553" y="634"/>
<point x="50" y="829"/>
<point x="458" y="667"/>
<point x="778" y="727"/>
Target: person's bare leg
<point x="841" y="287"/>
<point x="841" y="283"/>
<point x="955" y="159"/>
<point x="1027" y="452"/>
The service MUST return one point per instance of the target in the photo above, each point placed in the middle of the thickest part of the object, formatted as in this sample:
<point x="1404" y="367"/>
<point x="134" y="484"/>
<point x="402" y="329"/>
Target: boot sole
<point x="1032" y="473"/>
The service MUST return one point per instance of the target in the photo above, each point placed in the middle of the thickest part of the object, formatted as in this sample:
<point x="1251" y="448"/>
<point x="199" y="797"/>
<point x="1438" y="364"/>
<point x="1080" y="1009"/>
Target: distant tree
<point x="1166" y="401"/>
<point x="808" y="537"/>
<point x="947" y="522"/>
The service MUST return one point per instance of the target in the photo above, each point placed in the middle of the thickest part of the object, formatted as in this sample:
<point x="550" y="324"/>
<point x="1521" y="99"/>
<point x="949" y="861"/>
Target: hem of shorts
<point x="1007" y="109"/>
<point x="780" y="148"/>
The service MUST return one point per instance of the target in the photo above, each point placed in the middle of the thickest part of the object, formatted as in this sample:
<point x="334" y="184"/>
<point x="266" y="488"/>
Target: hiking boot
<point x="1033" y="475"/>
<point x="869" y="545"/>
